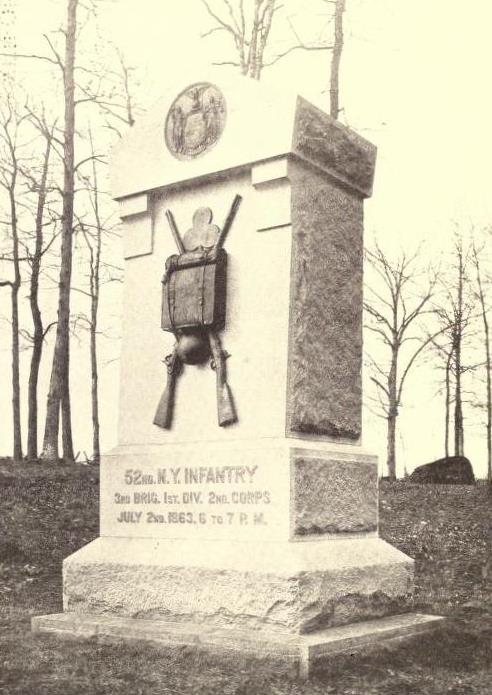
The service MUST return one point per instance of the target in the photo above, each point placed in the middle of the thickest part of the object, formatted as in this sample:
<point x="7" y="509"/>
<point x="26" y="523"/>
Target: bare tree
<point x="112" y="87"/>
<point x="100" y="272"/>
<point x="97" y="223"/>
<point x="111" y="91"/>
<point x="39" y="185"/>
<point x="59" y="390"/>
<point x="484" y="308"/>
<point x="444" y="350"/>
<point x="458" y="329"/>
<point x="455" y="313"/>
<point x="393" y="305"/>
<point x="251" y="38"/>
<point x="9" y="179"/>
<point x="119" y="105"/>
<point x="94" y="246"/>
<point x="26" y="177"/>
<point x="250" y="33"/>
<point x="95" y="264"/>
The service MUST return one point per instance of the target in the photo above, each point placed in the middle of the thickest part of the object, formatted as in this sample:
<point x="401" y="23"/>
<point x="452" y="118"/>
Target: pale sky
<point x="415" y="80"/>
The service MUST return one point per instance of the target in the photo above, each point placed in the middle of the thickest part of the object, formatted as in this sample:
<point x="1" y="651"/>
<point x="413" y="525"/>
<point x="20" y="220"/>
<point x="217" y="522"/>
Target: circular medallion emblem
<point x="195" y="121"/>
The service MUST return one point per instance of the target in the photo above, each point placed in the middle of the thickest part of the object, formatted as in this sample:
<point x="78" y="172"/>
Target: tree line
<point x="55" y="209"/>
<point x="434" y="317"/>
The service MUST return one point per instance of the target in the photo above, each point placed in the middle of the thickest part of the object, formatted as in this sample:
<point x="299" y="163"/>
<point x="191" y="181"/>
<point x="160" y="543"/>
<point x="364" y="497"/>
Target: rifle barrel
<point x="174" y="230"/>
<point x="229" y="220"/>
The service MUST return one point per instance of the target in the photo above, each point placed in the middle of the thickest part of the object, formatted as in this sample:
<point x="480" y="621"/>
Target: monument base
<point x="296" y="587"/>
<point x="296" y="652"/>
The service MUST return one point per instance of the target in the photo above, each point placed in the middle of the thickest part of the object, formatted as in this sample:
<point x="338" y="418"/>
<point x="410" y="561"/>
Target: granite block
<point x="325" y="341"/>
<point x="334" y="496"/>
<point x="342" y="152"/>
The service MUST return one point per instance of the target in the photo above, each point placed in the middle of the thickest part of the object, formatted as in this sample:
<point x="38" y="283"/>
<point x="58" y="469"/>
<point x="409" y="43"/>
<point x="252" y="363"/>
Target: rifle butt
<point x="165" y="409"/>
<point x="225" y="406"/>
<point x="164" y="414"/>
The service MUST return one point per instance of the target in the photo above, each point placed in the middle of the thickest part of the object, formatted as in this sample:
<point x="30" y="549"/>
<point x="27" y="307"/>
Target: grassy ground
<point x="46" y="513"/>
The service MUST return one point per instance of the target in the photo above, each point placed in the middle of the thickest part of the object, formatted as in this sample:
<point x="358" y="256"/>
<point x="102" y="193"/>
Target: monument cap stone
<point x="261" y="123"/>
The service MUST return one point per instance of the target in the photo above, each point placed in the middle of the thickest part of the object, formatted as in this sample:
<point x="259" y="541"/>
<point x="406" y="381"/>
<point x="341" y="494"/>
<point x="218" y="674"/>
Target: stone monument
<point x="239" y="509"/>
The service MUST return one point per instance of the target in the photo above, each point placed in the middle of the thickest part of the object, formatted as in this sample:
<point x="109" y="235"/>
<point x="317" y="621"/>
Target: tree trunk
<point x="391" y="447"/>
<point x="336" y="58"/>
<point x="17" y="448"/>
<point x="59" y="392"/>
<point x="458" y="405"/>
<point x="459" y="439"/>
<point x="447" y="405"/>
<point x="96" y="452"/>
<point x="16" y="416"/>
<point x="486" y="331"/>
<point x="66" y="414"/>
<point x="264" y="31"/>
<point x="38" y="334"/>
<point x="253" y="46"/>
<point x="32" y="395"/>
<point x="489" y="397"/>
<point x="95" y="264"/>
<point x="392" y="415"/>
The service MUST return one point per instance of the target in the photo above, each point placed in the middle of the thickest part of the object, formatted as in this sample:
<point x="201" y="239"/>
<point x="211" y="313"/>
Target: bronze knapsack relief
<point x="194" y="308"/>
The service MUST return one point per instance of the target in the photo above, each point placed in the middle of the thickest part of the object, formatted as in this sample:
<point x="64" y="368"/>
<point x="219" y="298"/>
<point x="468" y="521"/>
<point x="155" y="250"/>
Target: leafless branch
<point x="299" y="47"/>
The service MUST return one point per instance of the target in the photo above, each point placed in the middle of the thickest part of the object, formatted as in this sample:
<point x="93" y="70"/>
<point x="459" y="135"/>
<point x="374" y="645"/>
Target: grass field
<point x="48" y="512"/>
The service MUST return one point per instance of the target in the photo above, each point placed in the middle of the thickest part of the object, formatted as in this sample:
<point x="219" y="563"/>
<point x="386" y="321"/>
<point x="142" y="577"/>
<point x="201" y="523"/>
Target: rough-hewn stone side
<point x="330" y="601"/>
<point x="299" y="600"/>
<point x="325" y="344"/>
<point x="326" y="142"/>
<point x="182" y="594"/>
<point x="331" y="496"/>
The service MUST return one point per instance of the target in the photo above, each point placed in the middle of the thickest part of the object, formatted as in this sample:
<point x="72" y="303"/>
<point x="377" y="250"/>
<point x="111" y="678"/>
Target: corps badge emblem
<point x="195" y="121"/>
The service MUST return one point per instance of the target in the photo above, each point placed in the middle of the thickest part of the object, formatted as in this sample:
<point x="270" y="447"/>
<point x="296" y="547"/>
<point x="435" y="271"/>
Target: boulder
<point x="451" y="470"/>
